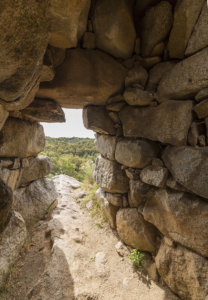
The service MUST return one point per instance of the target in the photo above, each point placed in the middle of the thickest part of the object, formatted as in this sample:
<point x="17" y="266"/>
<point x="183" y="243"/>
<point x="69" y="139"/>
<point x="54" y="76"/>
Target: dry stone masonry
<point x="139" y="70"/>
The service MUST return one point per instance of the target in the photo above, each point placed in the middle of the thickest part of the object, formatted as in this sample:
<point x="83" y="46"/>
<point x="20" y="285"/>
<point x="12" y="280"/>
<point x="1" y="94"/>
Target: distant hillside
<point x="71" y="156"/>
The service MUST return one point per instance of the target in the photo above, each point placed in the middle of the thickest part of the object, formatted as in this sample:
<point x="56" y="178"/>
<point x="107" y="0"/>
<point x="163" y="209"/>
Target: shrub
<point x="136" y="257"/>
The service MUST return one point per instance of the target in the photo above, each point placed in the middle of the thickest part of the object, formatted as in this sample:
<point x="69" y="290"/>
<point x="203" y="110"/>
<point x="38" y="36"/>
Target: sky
<point x="73" y="127"/>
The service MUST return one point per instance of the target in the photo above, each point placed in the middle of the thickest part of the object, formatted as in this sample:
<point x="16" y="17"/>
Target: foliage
<point x="71" y="156"/>
<point x="76" y="157"/>
<point x="6" y="280"/>
<point x="136" y="257"/>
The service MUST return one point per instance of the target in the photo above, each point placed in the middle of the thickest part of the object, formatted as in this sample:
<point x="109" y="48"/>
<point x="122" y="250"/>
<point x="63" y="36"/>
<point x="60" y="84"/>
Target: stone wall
<point x="139" y="69"/>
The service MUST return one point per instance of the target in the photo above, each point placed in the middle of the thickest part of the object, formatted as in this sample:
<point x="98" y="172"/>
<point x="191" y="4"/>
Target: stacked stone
<point x="143" y="64"/>
<point x="25" y="193"/>
<point x="153" y="144"/>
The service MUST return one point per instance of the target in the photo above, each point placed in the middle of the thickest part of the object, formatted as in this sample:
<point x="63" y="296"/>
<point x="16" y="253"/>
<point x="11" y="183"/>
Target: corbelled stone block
<point x="114" y="27"/>
<point x="21" y="139"/>
<point x="189" y="166"/>
<point x="136" y="153"/>
<point x="39" y="167"/>
<point x="34" y="199"/>
<point x="185" y="79"/>
<point x="106" y="145"/>
<point x="135" y="231"/>
<point x="184" y="271"/>
<point x="167" y="123"/>
<point x="186" y="14"/>
<point x="85" y="77"/>
<point x="110" y="177"/>
<point x="180" y="216"/>
<point x="68" y="22"/>
<point x="97" y="119"/>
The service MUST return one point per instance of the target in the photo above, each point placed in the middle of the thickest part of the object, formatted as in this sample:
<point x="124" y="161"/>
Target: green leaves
<point x="136" y="257"/>
<point x="74" y="157"/>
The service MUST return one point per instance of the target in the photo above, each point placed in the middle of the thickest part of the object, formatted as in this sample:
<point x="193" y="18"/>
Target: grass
<point x="97" y="210"/>
<point x="136" y="257"/>
<point x="30" y="232"/>
<point x="6" y="281"/>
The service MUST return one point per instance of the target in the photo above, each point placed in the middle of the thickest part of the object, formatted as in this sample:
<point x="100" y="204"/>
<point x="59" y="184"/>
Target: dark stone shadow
<point x="56" y="282"/>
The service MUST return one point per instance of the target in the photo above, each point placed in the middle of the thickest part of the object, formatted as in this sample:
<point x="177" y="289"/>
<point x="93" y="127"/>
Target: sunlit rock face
<point x="139" y="70"/>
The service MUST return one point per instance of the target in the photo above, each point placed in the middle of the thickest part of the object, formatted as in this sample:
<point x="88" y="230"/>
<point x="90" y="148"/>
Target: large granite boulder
<point x="97" y="119"/>
<point x="11" y="242"/>
<point x="137" y="97"/>
<point x="110" y="177"/>
<point x="42" y="110"/>
<point x="33" y="201"/>
<point x="39" y="167"/>
<point x="106" y="145"/>
<point x="189" y="166"/>
<point x="21" y="139"/>
<point x="199" y="37"/>
<point x="201" y="109"/>
<point x="153" y="175"/>
<point x="155" y="26"/>
<point x="138" y="192"/>
<point x="185" y="79"/>
<point x="180" y="216"/>
<point x="109" y="209"/>
<point x="114" y="27"/>
<point x="100" y="75"/>
<point x="136" y="153"/>
<point x="156" y="73"/>
<point x="135" y="231"/>
<point x="167" y="123"/>
<point x="68" y="22"/>
<point x="186" y="14"/>
<point x="23" y="44"/>
<point x="115" y="199"/>
<point x="11" y="177"/>
<point x="6" y="201"/>
<point x="137" y="75"/>
<point x="184" y="271"/>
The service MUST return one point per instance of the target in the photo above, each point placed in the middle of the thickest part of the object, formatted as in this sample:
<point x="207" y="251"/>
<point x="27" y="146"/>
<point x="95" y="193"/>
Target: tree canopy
<point x="71" y="156"/>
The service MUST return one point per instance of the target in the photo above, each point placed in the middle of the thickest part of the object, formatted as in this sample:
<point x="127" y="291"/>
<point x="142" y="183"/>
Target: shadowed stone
<point x="180" y="216"/>
<point x="155" y="26"/>
<point x="44" y="111"/>
<point x="136" y="153"/>
<point x="23" y="44"/>
<point x="99" y="74"/>
<point x="186" y="14"/>
<point x="185" y="79"/>
<point x="21" y="139"/>
<point x="106" y="145"/>
<point x="167" y="123"/>
<point x="189" y="167"/>
<point x="34" y="200"/>
<point x="114" y="27"/>
<point x="97" y="119"/>
<point x="135" y="231"/>
<point x="110" y="177"/>
<point x="39" y="167"/>
<point x="184" y="271"/>
<point x="68" y="22"/>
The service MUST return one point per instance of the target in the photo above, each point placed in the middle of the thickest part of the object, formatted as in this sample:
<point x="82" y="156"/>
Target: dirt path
<point x="71" y="258"/>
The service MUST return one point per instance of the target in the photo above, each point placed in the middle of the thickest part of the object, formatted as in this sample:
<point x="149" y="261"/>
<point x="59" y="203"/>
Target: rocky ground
<point x="72" y="256"/>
